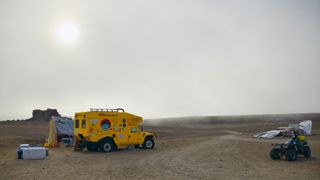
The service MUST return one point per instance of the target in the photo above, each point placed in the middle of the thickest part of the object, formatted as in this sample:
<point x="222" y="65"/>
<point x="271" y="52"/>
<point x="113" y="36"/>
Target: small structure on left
<point x="60" y="131"/>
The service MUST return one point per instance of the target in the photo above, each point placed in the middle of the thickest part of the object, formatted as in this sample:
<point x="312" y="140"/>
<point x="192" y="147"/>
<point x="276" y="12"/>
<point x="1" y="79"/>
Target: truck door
<point x="134" y="135"/>
<point x="121" y="131"/>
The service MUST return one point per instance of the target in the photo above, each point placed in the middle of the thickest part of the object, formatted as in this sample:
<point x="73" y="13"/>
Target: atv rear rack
<point x="106" y="110"/>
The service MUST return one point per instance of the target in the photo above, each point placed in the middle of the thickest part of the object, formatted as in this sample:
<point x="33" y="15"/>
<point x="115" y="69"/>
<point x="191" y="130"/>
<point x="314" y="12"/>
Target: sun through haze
<point x="160" y="58"/>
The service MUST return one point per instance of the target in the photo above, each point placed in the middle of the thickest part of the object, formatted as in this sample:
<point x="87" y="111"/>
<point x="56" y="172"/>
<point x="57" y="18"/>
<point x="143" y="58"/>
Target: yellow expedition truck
<point x="109" y="129"/>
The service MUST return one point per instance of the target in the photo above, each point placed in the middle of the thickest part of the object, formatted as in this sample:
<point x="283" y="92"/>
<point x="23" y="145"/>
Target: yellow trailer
<point x="109" y="129"/>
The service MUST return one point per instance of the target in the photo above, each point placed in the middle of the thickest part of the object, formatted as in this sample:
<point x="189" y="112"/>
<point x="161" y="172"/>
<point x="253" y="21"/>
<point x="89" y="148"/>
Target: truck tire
<point x="275" y="154"/>
<point x="148" y="143"/>
<point x="291" y="154"/>
<point x="107" y="145"/>
<point x="307" y="151"/>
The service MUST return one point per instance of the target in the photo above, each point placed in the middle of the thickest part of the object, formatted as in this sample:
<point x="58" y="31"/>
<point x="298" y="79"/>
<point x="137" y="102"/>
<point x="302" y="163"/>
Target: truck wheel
<point x="291" y="154"/>
<point x="275" y="154"/>
<point x="148" y="143"/>
<point x="107" y="146"/>
<point x="307" y="151"/>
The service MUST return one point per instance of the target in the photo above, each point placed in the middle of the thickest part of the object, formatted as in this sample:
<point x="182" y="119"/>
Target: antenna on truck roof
<point x="106" y="110"/>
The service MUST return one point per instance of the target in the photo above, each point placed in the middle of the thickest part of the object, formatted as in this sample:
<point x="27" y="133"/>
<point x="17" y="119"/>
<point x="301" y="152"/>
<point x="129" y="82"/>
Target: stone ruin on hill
<point x="43" y="115"/>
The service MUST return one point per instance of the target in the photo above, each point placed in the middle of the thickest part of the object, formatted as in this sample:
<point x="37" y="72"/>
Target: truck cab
<point x="109" y="129"/>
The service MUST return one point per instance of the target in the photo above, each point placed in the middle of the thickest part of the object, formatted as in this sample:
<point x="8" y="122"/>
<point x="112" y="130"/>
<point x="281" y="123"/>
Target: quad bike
<point x="296" y="145"/>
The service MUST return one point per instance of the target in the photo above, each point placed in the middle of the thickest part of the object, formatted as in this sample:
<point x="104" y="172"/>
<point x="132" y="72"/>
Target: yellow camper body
<point x="110" y="129"/>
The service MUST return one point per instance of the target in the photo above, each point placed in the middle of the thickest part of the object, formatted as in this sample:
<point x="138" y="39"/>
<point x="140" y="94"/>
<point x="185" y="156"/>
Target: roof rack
<point x="106" y="110"/>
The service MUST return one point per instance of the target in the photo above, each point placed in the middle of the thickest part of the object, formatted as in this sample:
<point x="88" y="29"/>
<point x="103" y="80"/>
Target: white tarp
<point x="268" y="134"/>
<point x="64" y="125"/>
<point x="306" y="126"/>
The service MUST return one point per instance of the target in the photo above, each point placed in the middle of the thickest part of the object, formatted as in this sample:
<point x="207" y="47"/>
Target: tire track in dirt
<point x="180" y="162"/>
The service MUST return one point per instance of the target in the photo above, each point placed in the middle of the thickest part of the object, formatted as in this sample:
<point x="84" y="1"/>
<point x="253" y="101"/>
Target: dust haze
<point x="161" y="58"/>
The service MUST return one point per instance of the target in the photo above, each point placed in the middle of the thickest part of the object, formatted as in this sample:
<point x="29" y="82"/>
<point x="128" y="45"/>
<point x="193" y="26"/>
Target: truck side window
<point x="134" y="129"/>
<point x="77" y="123"/>
<point x="83" y="123"/>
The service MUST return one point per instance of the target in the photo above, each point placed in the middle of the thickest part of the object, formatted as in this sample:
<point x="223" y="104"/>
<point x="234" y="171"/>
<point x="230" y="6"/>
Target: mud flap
<point x="80" y="144"/>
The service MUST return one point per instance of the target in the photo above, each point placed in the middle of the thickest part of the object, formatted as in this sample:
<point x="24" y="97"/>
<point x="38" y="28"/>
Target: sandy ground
<point x="212" y="151"/>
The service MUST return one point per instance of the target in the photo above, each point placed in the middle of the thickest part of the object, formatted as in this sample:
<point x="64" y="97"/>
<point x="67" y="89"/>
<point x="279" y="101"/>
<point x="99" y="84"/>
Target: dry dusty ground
<point x="215" y="151"/>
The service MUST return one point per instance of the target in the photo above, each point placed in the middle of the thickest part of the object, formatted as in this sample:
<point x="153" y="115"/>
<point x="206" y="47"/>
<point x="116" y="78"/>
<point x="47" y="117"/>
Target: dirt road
<point x="216" y="151"/>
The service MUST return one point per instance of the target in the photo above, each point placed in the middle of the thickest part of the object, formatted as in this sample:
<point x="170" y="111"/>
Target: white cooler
<point x="33" y="153"/>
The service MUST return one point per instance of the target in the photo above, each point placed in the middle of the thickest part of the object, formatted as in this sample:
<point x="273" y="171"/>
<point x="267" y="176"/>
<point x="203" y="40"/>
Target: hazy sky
<point x="160" y="58"/>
